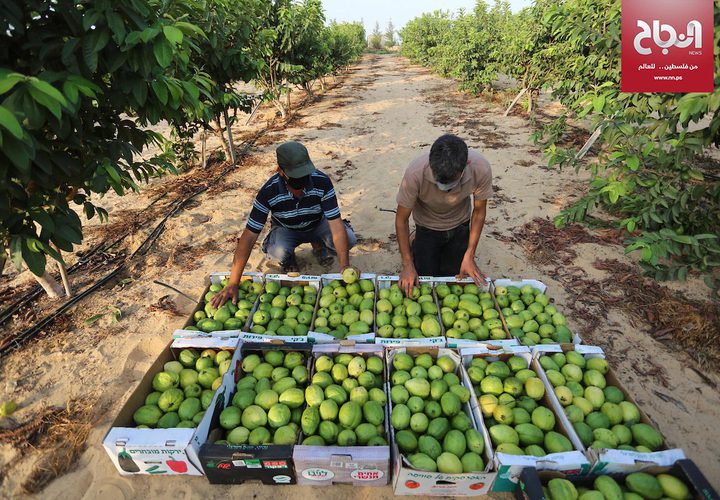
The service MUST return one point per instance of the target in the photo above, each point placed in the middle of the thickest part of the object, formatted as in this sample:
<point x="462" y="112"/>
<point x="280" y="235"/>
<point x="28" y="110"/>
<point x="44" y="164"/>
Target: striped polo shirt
<point x="300" y="214"/>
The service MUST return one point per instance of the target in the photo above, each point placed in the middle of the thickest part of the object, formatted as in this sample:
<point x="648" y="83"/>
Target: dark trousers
<point x="440" y="253"/>
<point x="280" y="242"/>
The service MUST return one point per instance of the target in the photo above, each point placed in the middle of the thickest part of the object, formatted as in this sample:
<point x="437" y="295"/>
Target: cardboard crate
<point x="572" y="463"/>
<point x="216" y="279"/>
<point x="357" y="465"/>
<point x="530" y="486"/>
<point x="608" y="461"/>
<point x="387" y="282"/>
<point x="268" y="464"/>
<point x="324" y="338"/>
<point x="165" y="451"/>
<point x="410" y="481"/>
<point x="461" y="343"/>
<point x="520" y="283"/>
<point x="284" y="280"/>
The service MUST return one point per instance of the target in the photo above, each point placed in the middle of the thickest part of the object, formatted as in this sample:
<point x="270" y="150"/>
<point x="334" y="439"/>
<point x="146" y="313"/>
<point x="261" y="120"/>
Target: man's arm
<point x="340" y="240"/>
<point x="477" y="222"/>
<point x="244" y="247"/>
<point x="408" y="274"/>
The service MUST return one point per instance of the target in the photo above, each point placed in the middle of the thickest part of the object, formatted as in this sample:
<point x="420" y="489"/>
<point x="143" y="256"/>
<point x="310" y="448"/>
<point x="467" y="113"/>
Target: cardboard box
<point x="165" y="451"/>
<point x="509" y="467"/>
<point x="228" y="464"/>
<point x="532" y="481"/>
<point x="462" y="343"/>
<point x="284" y="280"/>
<point x="387" y="282"/>
<point x="410" y="481"/>
<point x="216" y="279"/>
<point x="357" y="465"/>
<point x="520" y="283"/>
<point x="608" y="461"/>
<point x="324" y="338"/>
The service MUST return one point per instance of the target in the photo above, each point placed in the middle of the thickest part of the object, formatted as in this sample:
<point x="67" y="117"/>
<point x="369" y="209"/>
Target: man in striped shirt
<point x="303" y="208"/>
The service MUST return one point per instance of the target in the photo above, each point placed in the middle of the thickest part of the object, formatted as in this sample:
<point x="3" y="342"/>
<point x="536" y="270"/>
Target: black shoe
<point x="323" y="255"/>
<point x="290" y="265"/>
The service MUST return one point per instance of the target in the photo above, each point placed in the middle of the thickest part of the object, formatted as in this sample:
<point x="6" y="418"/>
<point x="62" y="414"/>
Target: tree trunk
<point x="3" y="261"/>
<point x="322" y="84"/>
<point x="51" y="287"/>
<point x="228" y="126"/>
<point x="287" y="103"/>
<point x="64" y="276"/>
<point x="220" y="134"/>
<point x="530" y="102"/>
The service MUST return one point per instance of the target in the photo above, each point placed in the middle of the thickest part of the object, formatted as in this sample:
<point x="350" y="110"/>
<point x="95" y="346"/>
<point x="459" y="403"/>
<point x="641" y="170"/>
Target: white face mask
<point x="447" y="187"/>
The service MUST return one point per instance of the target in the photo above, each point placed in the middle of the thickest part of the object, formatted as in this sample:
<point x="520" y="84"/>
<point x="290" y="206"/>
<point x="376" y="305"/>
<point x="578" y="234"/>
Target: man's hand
<point x="357" y="271"/>
<point x="408" y="279"/>
<point x="229" y="292"/>
<point x="469" y="268"/>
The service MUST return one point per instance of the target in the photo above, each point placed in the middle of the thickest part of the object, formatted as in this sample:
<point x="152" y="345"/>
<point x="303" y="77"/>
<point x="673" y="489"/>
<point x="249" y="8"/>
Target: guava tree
<point x="345" y="42"/>
<point x="225" y="55"/>
<point x="651" y="173"/>
<point x="72" y="73"/>
<point x="309" y="51"/>
<point x="422" y="34"/>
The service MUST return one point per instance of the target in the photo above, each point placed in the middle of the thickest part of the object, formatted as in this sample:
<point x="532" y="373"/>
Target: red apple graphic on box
<point x="412" y="484"/>
<point x="177" y="466"/>
<point x="477" y="486"/>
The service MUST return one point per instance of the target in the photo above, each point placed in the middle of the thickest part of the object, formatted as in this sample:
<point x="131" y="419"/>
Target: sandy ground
<point x="362" y="133"/>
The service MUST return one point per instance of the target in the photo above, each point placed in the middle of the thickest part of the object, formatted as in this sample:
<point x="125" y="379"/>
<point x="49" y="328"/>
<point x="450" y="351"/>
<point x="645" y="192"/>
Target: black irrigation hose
<point x="16" y="341"/>
<point x="7" y="313"/>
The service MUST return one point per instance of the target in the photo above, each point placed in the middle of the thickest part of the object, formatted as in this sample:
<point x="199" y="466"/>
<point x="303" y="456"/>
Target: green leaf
<point x="48" y="89"/>
<point x="117" y="26"/>
<point x="647" y="254"/>
<point x="633" y="163"/>
<point x="160" y="90"/>
<point x="174" y="35"/>
<point x="51" y="104"/>
<point x="163" y="53"/>
<point x="93" y="319"/>
<point x="16" y="245"/>
<point x="631" y="226"/>
<point x="113" y="173"/>
<point x="683" y="238"/>
<point x="35" y="260"/>
<point x="599" y="103"/>
<point x="9" y="122"/>
<point x="9" y="80"/>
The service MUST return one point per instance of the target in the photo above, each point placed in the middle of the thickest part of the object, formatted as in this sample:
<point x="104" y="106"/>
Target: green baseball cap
<point x="294" y="160"/>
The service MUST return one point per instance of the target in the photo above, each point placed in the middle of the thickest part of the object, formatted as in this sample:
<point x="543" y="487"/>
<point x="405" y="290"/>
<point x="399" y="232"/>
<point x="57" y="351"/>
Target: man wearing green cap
<point x="304" y="209"/>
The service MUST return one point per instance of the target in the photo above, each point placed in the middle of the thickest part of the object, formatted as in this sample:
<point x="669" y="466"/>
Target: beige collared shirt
<point x="440" y="210"/>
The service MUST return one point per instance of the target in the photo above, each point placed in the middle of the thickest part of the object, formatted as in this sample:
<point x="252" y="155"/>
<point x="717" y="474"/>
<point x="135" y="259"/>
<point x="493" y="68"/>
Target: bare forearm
<point x="242" y="253"/>
<point x="340" y="240"/>
<point x="477" y="222"/>
<point x="402" y="230"/>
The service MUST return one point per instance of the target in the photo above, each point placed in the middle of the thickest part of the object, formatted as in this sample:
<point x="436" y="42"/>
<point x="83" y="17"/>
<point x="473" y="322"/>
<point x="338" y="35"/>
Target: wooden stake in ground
<point x="515" y="101"/>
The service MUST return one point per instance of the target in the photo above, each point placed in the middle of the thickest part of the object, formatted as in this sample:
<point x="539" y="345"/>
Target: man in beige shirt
<point x="446" y="191"/>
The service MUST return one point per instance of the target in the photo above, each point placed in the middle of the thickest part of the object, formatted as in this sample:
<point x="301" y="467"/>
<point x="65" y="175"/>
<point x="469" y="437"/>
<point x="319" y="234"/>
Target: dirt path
<point x="362" y="134"/>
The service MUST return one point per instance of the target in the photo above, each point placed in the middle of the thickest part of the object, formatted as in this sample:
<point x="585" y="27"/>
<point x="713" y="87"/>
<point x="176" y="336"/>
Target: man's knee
<point x="280" y="245"/>
<point x="352" y="239"/>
